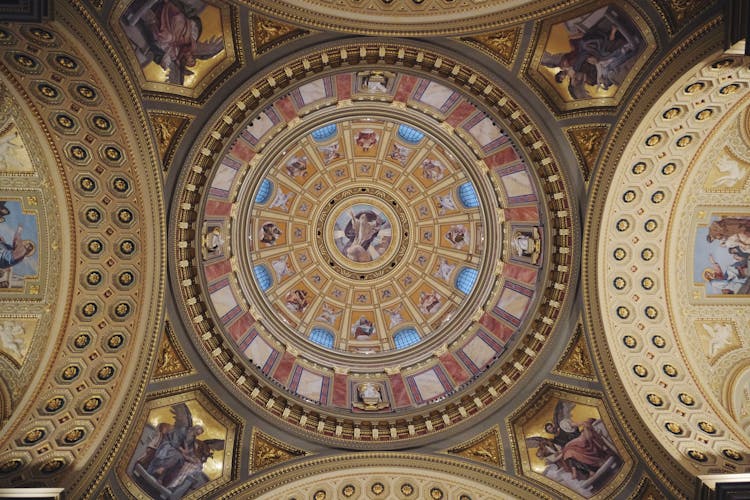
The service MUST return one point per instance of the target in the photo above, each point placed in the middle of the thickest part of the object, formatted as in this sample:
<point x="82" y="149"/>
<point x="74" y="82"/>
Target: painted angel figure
<point x="174" y="455"/>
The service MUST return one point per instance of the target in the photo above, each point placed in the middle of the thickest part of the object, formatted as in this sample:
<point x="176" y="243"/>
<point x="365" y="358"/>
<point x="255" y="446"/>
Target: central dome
<point x="372" y="243"/>
<point x="367" y="235"/>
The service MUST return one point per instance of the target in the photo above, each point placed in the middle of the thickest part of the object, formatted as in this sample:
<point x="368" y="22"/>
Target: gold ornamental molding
<point x="408" y="17"/>
<point x="576" y="361"/>
<point x="171" y="361"/>
<point x="268" y="34"/>
<point x="502" y="46"/>
<point x="587" y="143"/>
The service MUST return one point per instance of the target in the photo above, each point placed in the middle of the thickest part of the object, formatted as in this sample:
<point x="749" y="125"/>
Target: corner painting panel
<point x="589" y="59"/>
<point x="184" y="448"/>
<point x="720" y="257"/>
<point x="182" y="44"/>
<point x="19" y="244"/>
<point x="564" y="440"/>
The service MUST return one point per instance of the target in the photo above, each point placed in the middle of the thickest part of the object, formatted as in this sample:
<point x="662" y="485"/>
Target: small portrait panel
<point x="721" y="255"/>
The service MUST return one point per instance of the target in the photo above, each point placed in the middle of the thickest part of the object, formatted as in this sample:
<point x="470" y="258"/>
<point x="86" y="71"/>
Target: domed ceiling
<point x="249" y="249"/>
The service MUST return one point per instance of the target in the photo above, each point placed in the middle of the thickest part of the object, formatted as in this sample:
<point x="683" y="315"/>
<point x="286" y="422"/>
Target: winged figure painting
<point x="580" y="455"/>
<point x="172" y="463"/>
<point x="168" y="33"/>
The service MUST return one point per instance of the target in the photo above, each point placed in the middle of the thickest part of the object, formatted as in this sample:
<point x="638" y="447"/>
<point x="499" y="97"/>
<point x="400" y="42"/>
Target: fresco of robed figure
<point x="591" y="55"/>
<point x="175" y="41"/>
<point x="19" y="241"/>
<point x="568" y="443"/>
<point x="178" y="452"/>
<point x="721" y="255"/>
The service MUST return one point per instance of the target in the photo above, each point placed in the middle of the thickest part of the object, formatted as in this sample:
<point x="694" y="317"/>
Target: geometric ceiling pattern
<point x="671" y="286"/>
<point x="377" y="249"/>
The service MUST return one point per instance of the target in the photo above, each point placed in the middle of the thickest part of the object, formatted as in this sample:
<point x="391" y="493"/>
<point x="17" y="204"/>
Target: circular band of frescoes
<point x="370" y="250"/>
<point x="439" y="266"/>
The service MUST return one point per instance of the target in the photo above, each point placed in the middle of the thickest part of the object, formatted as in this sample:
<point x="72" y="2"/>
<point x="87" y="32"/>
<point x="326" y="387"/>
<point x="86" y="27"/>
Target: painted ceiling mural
<point x="378" y="249"/>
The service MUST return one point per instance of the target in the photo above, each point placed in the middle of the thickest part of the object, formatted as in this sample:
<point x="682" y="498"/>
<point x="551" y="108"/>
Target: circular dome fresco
<point x="366" y="246"/>
<point x="363" y="240"/>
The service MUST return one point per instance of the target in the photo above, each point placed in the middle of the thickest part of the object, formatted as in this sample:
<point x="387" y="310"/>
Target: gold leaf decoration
<point x="170" y="361"/>
<point x="647" y="491"/>
<point x="269" y="33"/>
<point x="587" y="142"/>
<point x="577" y="361"/>
<point x="266" y="451"/>
<point x="685" y="9"/>
<point x="482" y="448"/>
<point x="167" y="130"/>
<point x="501" y="45"/>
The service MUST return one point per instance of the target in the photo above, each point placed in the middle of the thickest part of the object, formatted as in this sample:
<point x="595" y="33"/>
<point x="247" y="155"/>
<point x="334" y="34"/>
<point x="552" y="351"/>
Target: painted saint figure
<point x="365" y="236"/>
<point x="363" y="329"/>
<point x="580" y="455"/>
<point x="174" y="456"/>
<point x="604" y="45"/>
<point x="19" y="249"/>
<point x="167" y="32"/>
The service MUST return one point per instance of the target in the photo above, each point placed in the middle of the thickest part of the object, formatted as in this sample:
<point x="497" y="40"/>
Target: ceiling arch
<point x="669" y="321"/>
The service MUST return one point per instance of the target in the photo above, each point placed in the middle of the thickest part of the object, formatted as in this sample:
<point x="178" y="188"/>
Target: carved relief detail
<point x="483" y="448"/>
<point x="267" y="451"/>
<point x="587" y="142"/>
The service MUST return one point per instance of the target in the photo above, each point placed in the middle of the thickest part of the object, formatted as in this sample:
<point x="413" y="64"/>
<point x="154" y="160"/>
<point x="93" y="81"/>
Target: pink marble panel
<point x="216" y="208"/>
<point x="498" y="328"/>
<point x="454" y="368"/>
<point x="242" y="150"/>
<point x="286" y="108"/>
<point x="462" y="112"/>
<point x="344" y="86"/>
<point x="405" y="88"/>
<point x="522" y="214"/>
<point x="284" y="368"/>
<point x="502" y="157"/>
<point x="400" y="394"/>
<point x="213" y="271"/>
<point x="239" y="328"/>
<point x="340" y="383"/>
<point x="520" y="273"/>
